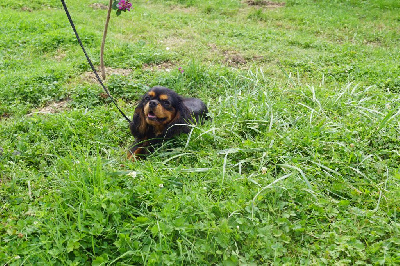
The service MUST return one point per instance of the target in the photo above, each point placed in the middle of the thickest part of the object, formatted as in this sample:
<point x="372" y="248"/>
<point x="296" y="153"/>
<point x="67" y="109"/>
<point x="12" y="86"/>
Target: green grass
<point x="300" y="164"/>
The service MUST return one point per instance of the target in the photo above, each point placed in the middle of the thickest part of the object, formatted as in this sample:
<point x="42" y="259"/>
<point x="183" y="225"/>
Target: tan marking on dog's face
<point x="146" y="110"/>
<point x="163" y="97"/>
<point x="164" y="116"/>
<point x="152" y="94"/>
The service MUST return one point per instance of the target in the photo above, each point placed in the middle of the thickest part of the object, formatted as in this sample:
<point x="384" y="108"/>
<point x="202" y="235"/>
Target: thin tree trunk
<point x="102" y="69"/>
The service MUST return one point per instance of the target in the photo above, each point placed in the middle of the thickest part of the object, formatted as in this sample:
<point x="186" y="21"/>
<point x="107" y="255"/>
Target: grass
<point x="300" y="164"/>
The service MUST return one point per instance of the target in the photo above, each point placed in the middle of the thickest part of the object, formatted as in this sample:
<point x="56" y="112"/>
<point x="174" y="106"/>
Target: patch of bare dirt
<point x="213" y="47"/>
<point x="258" y="58"/>
<point x="98" y="6"/>
<point x="91" y="78"/>
<point x="60" y="55"/>
<point x="233" y="58"/>
<point x="264" y="3"/>
<point x="25" y="8"/>
<point x="118" y="71"/>
<point x="164" y="66"/>
<point x="173" y="42"/>
<point x="374" y="43"/>
<point x="52" y="108"/>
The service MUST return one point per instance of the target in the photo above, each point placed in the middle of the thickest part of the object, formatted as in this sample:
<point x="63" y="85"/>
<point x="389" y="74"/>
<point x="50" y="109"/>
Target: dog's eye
<point x="147" y="98"/>
<point x="166" y="102"/>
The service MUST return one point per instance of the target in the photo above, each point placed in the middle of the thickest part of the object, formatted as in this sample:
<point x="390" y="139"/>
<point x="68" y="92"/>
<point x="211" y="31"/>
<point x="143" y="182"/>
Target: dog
<point x="161" y="115"/>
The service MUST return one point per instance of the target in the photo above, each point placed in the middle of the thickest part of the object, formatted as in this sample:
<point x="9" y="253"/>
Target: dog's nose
<point x="153" y="103"/>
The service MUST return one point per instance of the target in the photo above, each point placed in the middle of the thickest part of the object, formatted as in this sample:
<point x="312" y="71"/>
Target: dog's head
<point x="157" y="114"/>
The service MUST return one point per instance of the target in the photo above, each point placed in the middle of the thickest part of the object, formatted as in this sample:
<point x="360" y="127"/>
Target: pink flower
<point x="124" y="5"/>
<point x="181" y="70"/>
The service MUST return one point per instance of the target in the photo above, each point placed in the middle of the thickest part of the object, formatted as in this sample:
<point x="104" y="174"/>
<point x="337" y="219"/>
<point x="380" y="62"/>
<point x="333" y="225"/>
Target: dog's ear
<point x="180" y="122"/>
<point x="138" y="125"/>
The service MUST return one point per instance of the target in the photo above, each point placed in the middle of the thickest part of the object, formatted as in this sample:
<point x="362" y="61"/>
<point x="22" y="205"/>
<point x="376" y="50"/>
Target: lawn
<point x="299" y="165"/>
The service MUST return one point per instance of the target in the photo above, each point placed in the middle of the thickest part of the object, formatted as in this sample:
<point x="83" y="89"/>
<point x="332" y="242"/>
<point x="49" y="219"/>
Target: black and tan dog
<point x="160" y="115"/>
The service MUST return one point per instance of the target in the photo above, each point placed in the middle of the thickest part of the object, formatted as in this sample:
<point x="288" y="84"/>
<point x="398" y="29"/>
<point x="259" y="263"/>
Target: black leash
<point x="90" y="62"/>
